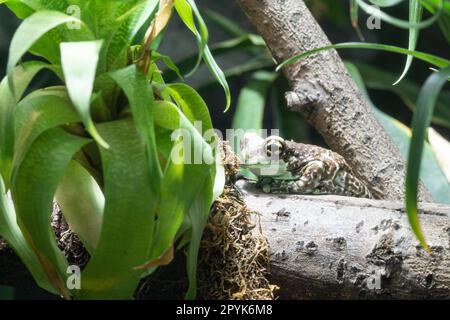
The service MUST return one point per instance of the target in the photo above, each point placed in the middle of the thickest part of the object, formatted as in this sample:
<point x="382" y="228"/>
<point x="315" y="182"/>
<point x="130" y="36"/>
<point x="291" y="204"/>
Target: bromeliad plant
<point x="103" y="143"/>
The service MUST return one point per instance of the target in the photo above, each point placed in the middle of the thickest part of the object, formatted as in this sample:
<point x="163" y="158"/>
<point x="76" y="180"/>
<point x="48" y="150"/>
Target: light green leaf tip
<point x="79" y="63"/>
<point x="415" y="14"/>
<point x="31" y="29"/>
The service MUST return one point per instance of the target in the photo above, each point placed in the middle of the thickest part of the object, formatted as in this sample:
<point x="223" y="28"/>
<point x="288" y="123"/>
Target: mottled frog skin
<point x="296" y="168"/>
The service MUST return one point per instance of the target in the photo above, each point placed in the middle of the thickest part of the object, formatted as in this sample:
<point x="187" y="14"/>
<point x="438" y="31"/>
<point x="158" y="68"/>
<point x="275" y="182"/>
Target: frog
<point x="285" y="166"/>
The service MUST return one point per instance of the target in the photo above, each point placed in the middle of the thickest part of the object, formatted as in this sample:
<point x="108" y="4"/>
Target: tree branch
<point x="327" y="247"/>
<point x="332" y="247"/>
<point x="324" y="92"/>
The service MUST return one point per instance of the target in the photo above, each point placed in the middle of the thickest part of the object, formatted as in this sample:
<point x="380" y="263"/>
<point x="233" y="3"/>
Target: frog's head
<point x="263" y="157"/>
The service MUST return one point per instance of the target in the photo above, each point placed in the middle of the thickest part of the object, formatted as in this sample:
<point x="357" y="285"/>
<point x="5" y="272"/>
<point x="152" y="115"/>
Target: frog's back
<point x="338" y="177"/>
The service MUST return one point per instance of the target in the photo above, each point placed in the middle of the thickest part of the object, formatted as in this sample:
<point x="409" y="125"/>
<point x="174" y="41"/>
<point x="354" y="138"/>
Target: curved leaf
<point x="128" y="218"/>
<point x="22" y="76"/>
<point x="33" y="191"/>
<point x="431" y="172"/>
<point x="37" y="113"/>
<point x="10" y="231"/>
<point x="185" y="9"/>
<point x="421" y="121"/>
<point x="187" y="189"/>
<point x="432" y="59"/>
<point x="79" y="62"/>
<point x="140" y="96"/>
<point x="82" y="202"/>
<point x="31" y="29"/>
<point x="415" y="15"/>
<point x="398" y="22"/>
<point x="191" y="103"/>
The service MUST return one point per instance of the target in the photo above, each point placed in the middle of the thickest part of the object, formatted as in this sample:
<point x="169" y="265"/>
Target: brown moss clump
<point x="234" y="258"/>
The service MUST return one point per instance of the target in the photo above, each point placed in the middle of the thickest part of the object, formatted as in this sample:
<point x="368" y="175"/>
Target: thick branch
<point x="331" y="247"/>
<point x="324" y="92"/>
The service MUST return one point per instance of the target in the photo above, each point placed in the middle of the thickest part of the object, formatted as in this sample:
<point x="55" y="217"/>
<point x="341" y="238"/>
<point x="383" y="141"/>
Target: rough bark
<point x="331" y="247"/>
<point x="324" y="92"/>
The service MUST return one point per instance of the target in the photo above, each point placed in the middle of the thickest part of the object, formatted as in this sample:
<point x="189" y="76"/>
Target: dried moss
<point x="234" y="257"/>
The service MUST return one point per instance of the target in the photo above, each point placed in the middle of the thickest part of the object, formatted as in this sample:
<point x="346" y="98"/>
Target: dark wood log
<point x="332" y="247"/>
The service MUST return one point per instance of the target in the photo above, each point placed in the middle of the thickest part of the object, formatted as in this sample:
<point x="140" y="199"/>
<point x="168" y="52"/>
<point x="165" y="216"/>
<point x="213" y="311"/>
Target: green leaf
<point x="21" y="10"/>
<point x="421" y="121"/>
<point x="10" y="231"/>
<point x="187" y="187"/>
<point x="252" y="99"/>
<point x="79" y="62"/>
<point x="185" y="9"/>
<point x="37" y="113"/>
<point x="128" y="218"/>
<point x="198" y="214"/>
<point x="168" y="61"/>
<point x="432" y="59"/>
<point x="30" y="31"/>
<point x="376" y="78"/>
<point x="140" y="96"/>
<point x="398" y="22"/>
<point x="33" y="191"/>
<point x="82" y="202"/>
<point x="431" y="172"/>
<point x="192" y="104"/>
<point x="22" y="76"/>
<point x="130" y="24"/>
<point x="415" y="15"/>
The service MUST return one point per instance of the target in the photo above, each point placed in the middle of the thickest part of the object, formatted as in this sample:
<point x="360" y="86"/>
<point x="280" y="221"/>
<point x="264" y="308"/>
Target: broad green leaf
<point x="415" y="15"/>
<point x="79" y="62"/>
<point x="128" y="218"/>
<point x="31" y="29"/>
<point x="398" y="22"/>
<point x="252" y="99"/>
<point x="33" y="191"/>
<point x="22" y="76"/>
<point x="190" y="161"/>
<point x="21" y="10"/>
<point x="140" y="96"/>
<point x="187" y="188"/>
<point x="431" y="172"/>
<point x="36" y="113"/>
<point x="376" y="78"/>
<point x="421" y="121"/>
<point x="432" y="59"/>
<point x="82" y="202"/>
<point x="198" y="214"/>
<point x="10" y="231"/>
<point x="192" y="104"/>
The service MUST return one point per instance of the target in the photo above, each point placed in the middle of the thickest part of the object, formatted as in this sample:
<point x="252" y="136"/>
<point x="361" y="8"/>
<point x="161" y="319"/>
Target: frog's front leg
<point x="308" y="182"/>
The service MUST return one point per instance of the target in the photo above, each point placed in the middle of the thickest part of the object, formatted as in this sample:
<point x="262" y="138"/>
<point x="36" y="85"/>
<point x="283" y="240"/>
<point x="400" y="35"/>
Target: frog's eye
<point x="274" y="146"/>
